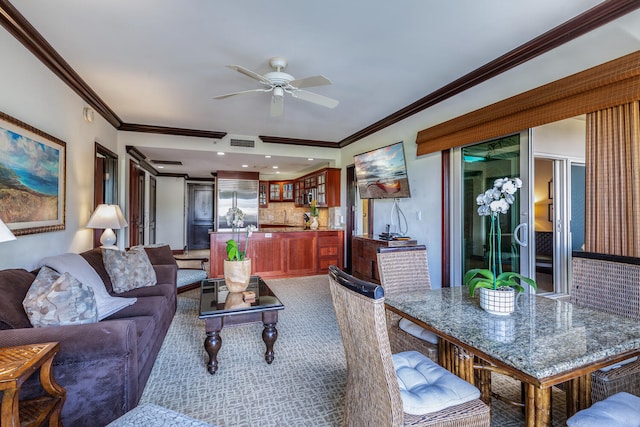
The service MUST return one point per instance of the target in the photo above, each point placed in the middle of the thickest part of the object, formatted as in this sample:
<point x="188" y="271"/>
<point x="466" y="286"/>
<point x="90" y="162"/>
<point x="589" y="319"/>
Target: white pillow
<point x="79" y="268"/>
<point x="128" y="270"/>
<point x="55" y="299"/>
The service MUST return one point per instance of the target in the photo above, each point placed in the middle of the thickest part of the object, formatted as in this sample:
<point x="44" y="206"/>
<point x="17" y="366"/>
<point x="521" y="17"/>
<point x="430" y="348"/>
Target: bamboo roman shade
<point x="613" y="181"/>
<point x="613" y="83"/>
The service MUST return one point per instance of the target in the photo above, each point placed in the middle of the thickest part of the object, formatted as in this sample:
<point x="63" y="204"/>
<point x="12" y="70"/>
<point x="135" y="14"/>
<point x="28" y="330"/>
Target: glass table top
<point x="216" y="300"/>
<point x="543" y="337"/>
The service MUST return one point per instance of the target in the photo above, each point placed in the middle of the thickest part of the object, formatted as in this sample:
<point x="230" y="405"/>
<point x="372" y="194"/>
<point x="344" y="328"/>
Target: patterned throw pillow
<point x="59" y="299"/>
<point x="128" y="270"/>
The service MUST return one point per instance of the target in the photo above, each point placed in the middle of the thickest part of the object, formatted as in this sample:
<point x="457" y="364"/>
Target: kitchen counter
<point x="283" y="251"/>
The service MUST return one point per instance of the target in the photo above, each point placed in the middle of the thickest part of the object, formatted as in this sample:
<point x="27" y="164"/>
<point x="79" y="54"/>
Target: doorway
<point x="105" y="182"/>
<point x="152" y="210"/>
<point x="474" y="170"/>
<point x="199" y="215"/>
<point x="136" y="204"/>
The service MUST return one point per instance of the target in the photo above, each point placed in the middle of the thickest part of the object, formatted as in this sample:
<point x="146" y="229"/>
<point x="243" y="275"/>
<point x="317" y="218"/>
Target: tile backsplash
<point x="287" y="213"/>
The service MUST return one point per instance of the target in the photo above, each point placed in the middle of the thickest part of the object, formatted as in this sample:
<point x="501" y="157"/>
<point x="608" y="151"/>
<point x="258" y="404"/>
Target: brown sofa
<point x="103" y="366"/>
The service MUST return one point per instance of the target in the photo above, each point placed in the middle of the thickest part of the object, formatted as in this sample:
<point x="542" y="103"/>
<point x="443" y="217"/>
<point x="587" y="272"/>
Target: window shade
<point x="612" y="83"/>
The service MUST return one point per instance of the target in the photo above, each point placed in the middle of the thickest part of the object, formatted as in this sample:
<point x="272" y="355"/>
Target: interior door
<point x="136" y="204"/>
<point x="200" y="215"/>
<point x="479" y="165"/>
<point x="152" y="210"/>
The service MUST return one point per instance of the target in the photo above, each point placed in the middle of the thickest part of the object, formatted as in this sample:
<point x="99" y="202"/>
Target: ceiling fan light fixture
<point x="278" y="91"/>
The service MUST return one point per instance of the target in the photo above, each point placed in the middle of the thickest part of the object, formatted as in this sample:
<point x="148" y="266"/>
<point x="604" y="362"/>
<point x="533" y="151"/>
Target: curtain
<point x="613" y="181"/>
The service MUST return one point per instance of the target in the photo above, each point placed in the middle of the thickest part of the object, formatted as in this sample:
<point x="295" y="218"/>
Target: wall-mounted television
<point x="382" y="173"/>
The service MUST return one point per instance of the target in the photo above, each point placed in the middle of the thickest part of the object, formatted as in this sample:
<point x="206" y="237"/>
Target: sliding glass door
<point x="474" y="169"/>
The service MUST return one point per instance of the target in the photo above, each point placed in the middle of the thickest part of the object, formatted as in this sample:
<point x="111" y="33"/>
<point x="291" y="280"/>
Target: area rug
<point x="304" y="386"/>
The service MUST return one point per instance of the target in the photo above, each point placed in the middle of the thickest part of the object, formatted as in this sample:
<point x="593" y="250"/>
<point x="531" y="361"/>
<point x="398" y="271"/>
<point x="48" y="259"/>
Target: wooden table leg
<point x="213" y="342"/>
<point x="537" y="406"/>
<point x="578" y="394"/>
<point x="53" y="389"/>
<point x="269" y="333"/>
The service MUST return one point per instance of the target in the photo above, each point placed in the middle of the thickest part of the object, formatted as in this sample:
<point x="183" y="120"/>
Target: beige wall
<point x="31" y="93"/>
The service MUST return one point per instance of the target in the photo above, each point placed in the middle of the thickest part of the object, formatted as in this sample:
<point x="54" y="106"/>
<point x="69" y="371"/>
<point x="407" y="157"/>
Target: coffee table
<point x="219" y="307"/>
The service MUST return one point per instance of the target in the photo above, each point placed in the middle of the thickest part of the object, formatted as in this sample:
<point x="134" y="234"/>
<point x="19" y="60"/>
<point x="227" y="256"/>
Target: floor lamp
<point x="107" y="217"/>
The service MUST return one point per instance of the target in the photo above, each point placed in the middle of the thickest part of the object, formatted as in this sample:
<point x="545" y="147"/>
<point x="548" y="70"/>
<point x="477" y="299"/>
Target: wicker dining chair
<point x="375" y="390"/>
<point x="406" y="269"/>
<point x="611" y="284"/>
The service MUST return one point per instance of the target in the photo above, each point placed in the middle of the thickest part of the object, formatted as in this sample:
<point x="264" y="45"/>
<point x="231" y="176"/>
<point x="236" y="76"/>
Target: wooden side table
<point x="16" y="365"/>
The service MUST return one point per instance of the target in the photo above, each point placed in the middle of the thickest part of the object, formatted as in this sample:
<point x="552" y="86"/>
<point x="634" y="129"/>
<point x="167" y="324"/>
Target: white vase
<point x="314" y="223"/>
<point x="237" y="274"/>
<point x="501" y="301"/>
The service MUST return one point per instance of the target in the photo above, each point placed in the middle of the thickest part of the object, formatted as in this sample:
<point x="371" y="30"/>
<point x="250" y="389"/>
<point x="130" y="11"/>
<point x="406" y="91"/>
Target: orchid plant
<point x="235" y="219"/>
<point x="493" y="202"/>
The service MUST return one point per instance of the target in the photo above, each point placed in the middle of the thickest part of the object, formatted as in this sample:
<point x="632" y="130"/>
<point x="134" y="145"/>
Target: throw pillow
<point x="79" y="268"/>
<point x="128" y="270"/>
<point x="14" y="285"/>
<point x="59" y="299"/>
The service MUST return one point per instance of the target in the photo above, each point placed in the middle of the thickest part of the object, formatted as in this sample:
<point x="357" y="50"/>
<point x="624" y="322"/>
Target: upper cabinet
<point x="281" y="191"/>
<point x="322" y="186"/>
<point x="263" y="194"/>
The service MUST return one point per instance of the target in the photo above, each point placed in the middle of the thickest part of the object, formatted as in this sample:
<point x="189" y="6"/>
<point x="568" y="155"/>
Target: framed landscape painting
<point x="32" y="178"/>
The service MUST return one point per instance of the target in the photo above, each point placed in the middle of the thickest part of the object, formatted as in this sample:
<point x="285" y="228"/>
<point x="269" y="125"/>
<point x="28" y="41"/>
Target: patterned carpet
<point x="304" y="386"/>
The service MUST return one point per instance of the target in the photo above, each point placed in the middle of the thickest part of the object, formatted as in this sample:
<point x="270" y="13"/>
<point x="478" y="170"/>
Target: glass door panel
<point x="482" y="164"/>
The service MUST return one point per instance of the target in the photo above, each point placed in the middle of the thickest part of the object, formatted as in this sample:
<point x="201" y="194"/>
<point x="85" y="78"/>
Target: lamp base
<point x="108" y="238"/>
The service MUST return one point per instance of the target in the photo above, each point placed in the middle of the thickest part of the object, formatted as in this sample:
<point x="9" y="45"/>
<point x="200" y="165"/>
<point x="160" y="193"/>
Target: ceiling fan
<point x="280" y="83"/>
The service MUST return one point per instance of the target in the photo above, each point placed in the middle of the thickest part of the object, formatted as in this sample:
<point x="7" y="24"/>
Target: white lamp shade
<point x="107" y="216"/>
<point x="5" y="233"/>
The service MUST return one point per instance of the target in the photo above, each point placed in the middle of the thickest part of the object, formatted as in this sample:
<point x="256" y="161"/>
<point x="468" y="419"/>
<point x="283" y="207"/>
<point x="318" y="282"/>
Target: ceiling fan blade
<point x="240" y="93"/>
<point x="249" y="73"/>
<point x="315" y="98"/>
<point x="310" y="81"/>
<point x="277" y="105"/>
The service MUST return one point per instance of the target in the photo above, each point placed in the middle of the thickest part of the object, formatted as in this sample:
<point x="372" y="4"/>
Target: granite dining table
<point x="545" y="342"/>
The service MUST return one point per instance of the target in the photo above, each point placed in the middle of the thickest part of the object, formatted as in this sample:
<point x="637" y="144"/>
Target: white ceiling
<point x="162" y="62"/>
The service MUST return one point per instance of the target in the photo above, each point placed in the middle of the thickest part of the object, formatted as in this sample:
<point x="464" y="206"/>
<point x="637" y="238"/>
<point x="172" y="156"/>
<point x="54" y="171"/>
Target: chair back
<point x="372" y="394"/>
<point x="403" y="269"/>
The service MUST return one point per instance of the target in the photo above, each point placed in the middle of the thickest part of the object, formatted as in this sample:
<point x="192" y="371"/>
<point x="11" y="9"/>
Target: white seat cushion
<point x="418" y="331"/>
<point x="622" y="409"/>
<point x="427" y="387"/>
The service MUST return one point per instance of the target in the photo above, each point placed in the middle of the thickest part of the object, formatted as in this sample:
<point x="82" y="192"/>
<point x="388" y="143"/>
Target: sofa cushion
<point x="79" y="268"/>
<point x="14" y="285"/>
<point x="59" y="299"/>
<point x="159" y="254"/>
<point x="128" y="270"/>
<point x="94" y="259"/>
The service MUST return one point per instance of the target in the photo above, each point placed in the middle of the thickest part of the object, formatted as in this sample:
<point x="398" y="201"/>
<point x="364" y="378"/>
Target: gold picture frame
<point x="32" y="178"/>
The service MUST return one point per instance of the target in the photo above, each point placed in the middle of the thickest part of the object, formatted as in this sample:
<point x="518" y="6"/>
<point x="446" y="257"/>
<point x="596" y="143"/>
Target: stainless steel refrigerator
<point x="240" y="193"/>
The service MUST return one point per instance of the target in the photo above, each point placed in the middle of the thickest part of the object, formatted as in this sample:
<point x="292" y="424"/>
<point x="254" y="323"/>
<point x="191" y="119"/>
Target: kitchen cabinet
<point x="283" y="253"/>
<point x="364" y="255"/>
<point x="322" y="186"/>
<point x="263" y="194"/>
<point x="281" y="191"/>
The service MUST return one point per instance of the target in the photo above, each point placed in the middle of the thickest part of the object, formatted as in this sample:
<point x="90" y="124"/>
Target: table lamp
<point x="5" y="233"/>
<point x="108" y="217"/>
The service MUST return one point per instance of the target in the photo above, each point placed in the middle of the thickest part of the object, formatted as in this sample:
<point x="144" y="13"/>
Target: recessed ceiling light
<point x="275" y="167"/>
<point x="245" y="166"/>
<point x="160" y="167"/>
<point x="277" y="171"/>
<point x="220" y="153"/>
<point x="310" y="158"/>
<point x="267" y="157"/>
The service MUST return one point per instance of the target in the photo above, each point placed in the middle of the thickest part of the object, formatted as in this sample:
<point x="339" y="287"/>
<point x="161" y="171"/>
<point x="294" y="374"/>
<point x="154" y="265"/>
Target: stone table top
<point x="543" y="338"/>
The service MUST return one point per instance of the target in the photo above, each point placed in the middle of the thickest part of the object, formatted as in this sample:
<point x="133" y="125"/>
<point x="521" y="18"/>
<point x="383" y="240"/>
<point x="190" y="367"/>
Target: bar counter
<point x="278" y="252"/>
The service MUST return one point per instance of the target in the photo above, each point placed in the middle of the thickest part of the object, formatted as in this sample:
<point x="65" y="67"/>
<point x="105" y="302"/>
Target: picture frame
<point x="550" y="212"/>
<point x="32" y="178"/>
<point x="550" y="190"/>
